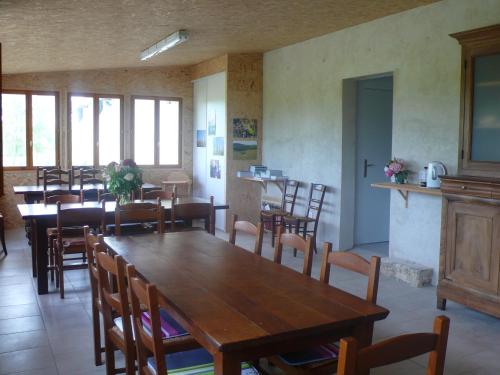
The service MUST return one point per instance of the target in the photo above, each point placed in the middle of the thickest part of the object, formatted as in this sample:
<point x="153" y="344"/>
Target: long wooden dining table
<point x="33" y="193"/>
<point x="42" y="216"/>
<point x="241" y="306"/>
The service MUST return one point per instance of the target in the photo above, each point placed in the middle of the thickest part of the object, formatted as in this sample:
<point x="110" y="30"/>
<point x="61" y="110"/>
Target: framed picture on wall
<point x="201" y="138"/>
<point x="219" y="146"/>
<point x="244" y="150"/>
<point x="211" y="122"/>
<point x="244" y="128"/>
<point x="215" y="171"/>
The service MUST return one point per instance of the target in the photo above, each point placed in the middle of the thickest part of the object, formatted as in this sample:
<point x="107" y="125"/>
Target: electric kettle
<point x="434" y="170"/>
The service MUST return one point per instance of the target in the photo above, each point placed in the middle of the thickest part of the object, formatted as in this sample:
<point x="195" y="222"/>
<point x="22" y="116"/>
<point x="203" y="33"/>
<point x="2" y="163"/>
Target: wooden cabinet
<point x="470" y="243"/>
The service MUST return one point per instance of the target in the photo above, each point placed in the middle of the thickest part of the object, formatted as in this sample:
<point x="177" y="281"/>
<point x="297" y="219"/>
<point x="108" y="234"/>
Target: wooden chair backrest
<point x="90" y="176"/>
<point x="143" y="294"/>
<point x="143" y="212"/>
<point x="93" y="243"/>
<point x="289" y="196"/>
<point x="356" y="361"/>
<point x="55" y="177"/>
<point x="297" y="242"/>
<point x="39" y="173"/>
<point x="352" y="262"/>
<point x="108" y="197"/>
<point x="75" y="172"/>
<point x="63" y="196"/>
<point x="315" y="202"/>
<point x="114" y="268"/>
<point x="154" y="194"/>
<point x="94" y="217"/>
<point x="249" y="228"/>
<point x="191" y="211"/>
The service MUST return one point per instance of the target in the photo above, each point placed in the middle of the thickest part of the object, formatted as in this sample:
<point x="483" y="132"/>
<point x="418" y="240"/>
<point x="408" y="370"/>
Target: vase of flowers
<point x="123" y="179"/>
<point x="396" y="170"/>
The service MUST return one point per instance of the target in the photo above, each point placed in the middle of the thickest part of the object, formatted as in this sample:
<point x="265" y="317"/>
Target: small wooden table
<point x="240" y="306"/>
<point x="44" y="216"/>
<point x="33" y="193"/>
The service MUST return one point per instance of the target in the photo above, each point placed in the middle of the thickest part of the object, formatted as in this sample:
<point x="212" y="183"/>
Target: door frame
<point x="348" y="164"/>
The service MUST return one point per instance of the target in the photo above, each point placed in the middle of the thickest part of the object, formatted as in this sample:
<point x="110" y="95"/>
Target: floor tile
<point x="24" y="360"/>
<point x="23" y="340"/>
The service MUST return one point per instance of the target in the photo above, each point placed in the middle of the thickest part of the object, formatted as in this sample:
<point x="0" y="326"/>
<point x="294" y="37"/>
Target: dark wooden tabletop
<point x="38" y="210"/>
<point x="26" y="189"/>
<point x="233" y="300"/>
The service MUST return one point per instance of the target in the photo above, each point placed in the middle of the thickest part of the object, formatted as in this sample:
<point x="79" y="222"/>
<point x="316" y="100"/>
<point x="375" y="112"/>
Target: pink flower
<point x="396" y="167"/>
<point x="129" y="163"/>
<point x="388" y="172"/>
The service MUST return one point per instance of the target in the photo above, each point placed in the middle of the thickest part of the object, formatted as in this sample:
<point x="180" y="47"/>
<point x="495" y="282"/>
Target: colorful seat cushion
<point x="169" y="327"/>
<point x="197" y="361"/>
<point x="317" y="354"/>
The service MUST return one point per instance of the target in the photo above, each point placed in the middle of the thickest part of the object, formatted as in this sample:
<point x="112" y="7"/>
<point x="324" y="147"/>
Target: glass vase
<point x="400" y="178"/>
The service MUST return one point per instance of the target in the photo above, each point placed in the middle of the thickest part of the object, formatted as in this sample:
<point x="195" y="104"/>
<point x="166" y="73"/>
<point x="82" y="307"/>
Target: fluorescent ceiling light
<point x="170" y="41"/>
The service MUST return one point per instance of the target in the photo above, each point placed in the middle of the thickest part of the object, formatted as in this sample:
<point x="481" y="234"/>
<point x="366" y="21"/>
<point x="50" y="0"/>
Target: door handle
<point x="365" y="168"/>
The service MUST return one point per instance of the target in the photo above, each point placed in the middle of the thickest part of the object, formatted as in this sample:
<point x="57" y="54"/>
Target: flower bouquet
<point x="123" y="179"/>
<point x="396" y="169"/>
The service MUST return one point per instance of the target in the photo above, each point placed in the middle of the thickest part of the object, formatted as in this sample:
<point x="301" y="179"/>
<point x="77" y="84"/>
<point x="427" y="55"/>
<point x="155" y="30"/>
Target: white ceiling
<point x="58" y="35"/>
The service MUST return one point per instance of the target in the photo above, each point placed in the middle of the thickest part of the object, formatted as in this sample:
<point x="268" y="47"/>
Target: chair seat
<point x="197" y="361"/>
<point x="293" y="219"/>
<point x="73" y="242"/>
<point x="169" y="327"/>
<point x="130" y="229"/>
<point x="274" y="212"/>
<point x="317" y="354"/>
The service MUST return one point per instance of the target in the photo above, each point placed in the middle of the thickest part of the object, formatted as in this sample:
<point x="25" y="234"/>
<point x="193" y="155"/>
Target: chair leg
<point x="130" y="362"/>
<point x="297" y="230"/>
<point x="97" y="333"/>
<point x="2" y="236"/>
<point x="110" y="357"/>
<point x="60" y="272"/>
<point x="273" y="230"/>
<point x="51" y="258"/>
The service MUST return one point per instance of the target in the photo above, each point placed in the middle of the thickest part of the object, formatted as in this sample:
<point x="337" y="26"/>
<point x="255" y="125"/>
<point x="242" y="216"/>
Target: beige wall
<point x="170" y="82"/>
<point x="303" y="108"/>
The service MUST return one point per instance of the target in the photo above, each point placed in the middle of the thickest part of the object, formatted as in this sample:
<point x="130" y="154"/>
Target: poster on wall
<point x="219" y="146"/>
<point x="215" y="169"/>
<point x="211" y="122"/>
<point x="244" y="150"/>
<point x="244" y="128"/>
<point x="201" y="138"/>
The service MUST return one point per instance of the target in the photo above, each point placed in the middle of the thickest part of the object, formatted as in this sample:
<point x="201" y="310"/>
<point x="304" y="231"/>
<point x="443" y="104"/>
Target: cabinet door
<point x="473" y="246"/>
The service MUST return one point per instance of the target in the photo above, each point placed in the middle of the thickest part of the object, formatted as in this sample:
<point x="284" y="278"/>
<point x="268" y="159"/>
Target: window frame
<point x="29" y="126"/>
<point x="157" y="100"/>
<point x="95" y="151"/>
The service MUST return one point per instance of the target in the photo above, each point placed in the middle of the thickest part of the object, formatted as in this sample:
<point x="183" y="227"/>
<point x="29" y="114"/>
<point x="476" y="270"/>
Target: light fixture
<point x="170" y="41"/>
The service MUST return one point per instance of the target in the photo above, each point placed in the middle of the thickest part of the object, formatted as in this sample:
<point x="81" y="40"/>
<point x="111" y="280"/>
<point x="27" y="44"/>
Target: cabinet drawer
<point x="456" y="187"/>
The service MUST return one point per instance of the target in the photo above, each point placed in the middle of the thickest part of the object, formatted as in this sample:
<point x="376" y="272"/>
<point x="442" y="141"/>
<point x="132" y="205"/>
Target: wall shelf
<point x="280" y="183"/>
<point x="405" y="189"/>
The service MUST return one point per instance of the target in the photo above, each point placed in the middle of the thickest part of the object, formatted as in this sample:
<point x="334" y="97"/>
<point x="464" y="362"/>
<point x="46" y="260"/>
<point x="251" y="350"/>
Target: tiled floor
<point x="43" y="335"/>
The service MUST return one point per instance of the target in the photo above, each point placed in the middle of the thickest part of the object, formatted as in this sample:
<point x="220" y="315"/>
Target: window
<point x="157" y="136"/>
<point x="96" y="123"/>
<point x="30" y="127"/>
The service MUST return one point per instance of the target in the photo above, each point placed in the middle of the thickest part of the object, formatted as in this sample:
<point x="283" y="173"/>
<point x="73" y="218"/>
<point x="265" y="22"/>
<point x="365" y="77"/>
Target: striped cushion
<point x="317" y="354"/>
<point x="169" y="327"/>
<point x="197" y="361"/>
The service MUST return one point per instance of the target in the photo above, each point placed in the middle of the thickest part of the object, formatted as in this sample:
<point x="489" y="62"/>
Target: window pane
<point x="14" y="130"/>
<point x="109" y="130"/>
<point x="486" y="109"/>
<point x="144" y="131"/>
<point x="169" y="132"/>
<point x="82" y="130"/>
<point x="44" y="129"/>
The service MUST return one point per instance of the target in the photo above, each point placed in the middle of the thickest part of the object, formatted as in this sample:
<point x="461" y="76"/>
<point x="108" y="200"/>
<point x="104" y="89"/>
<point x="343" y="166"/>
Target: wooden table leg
<point x="40" y="231"/>
<point x="225" y="364"/>
<point x="32" y="241"/>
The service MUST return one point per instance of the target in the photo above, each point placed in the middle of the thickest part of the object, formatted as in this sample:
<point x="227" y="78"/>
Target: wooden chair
<point x="154" y="352"/>
<point x="90" y="176"/>
<point x="324" y="363"/>
<point x="39" y="173"/>
<point x="275" y="216"/>
<point x="297" y="242"/>
<point x="56" y="177"/>
<point x="52" y="197"/>
<point x="2" y="234"/>
<point x="137" y="218"/>
<point x="154" y="194"/>
<point x="182" y="214"/>
<point x="73" y="218"/>
<point x="75" y="173"/>
<point x="249" y="228"/>
<point x="116" y="312"/>
<point x="94" y="243"/>
<point x="354" y="360"/>
<point x="300" y="224"/>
